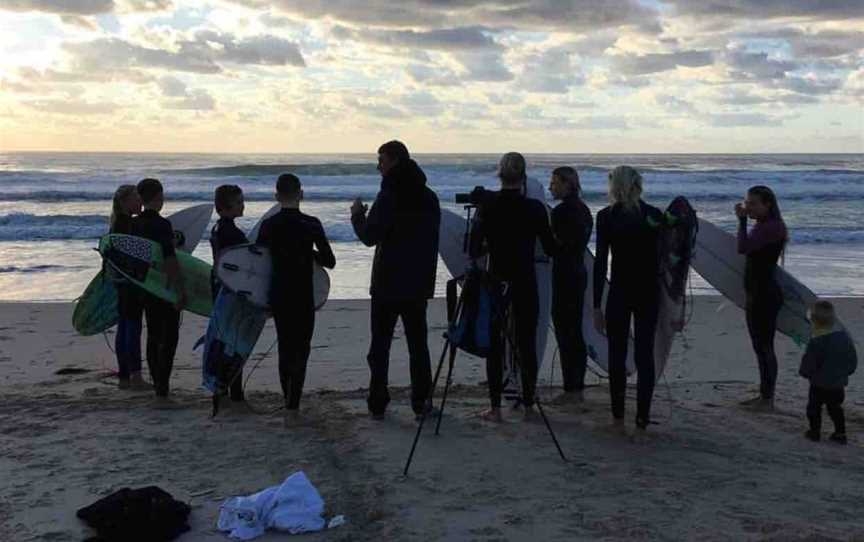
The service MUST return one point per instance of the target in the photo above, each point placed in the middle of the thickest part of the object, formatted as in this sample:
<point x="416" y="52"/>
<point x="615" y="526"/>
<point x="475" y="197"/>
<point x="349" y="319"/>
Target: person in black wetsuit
<point x="163" y="318"/>
<point x="229" y="204"/>
<point x="509" y="224"/>
<point x="296" y="240"/>
<point x="763" y="245"/>
<point x="629" y="228"/>
<point x="571" y="225"/>
<point x="127" y="342"/>
<point x="402" y="225"/>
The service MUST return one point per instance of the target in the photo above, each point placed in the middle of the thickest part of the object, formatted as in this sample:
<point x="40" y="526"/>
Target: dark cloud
<point x="562" y="15"/>
<point x="758" y="66"/>
<point x="488" y="67"/>
<point x="433" y="76"/>
<point x="730" y="120"/>
<point x="659" y="62"/>
<point x="172" y="87"/>
<point x="445" y="39"/>
<point x="550" y="72"/>
<point x="811" y="86"/>
<point x="771" y="9"/>
<point x="746" y="99"/>
<point x="68" y="107"/>
<point x="60" y="7"/>
<point x="204" y="54"/>
<point x="79" y="21"/>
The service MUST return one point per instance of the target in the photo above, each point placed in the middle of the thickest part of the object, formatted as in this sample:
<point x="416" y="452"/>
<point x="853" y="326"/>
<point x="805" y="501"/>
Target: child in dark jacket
<point x="829" y="360"/>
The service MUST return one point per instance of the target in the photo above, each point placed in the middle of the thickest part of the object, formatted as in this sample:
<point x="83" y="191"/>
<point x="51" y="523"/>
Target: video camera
<point x="474" y="197"/>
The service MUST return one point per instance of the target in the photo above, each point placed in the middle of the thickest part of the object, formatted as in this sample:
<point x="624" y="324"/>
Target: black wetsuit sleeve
<point x="544" y="232"/>
<point x="372" y="228"/>
<point x="265" y="234"/>
<point x="477" y="248"/>
<point x="601" y="259"/>
<point x="324" y="254"/>
<point x="165" y="238"/>
<point x="233" y="236"/>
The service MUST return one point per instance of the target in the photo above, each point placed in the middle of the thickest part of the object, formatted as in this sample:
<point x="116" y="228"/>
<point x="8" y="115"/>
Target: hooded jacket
<point x="402" y="225"/>
<point x="829" y="360"/>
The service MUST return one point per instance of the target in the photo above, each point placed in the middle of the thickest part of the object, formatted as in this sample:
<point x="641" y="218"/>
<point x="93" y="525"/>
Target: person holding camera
<point x="571" y="224"/>
<point x="629" y="228"/>
<point x="402" y="225"/>
<point x="507" y="226"/>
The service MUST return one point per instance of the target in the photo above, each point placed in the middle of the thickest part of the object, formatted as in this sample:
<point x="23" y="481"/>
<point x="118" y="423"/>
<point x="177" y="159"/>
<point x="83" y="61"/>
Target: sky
<point x="457" y="76"/>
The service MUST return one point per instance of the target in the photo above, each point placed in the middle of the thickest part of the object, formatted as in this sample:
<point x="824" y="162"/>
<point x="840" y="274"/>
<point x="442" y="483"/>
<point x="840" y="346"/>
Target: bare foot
<point x="491" y="415"/>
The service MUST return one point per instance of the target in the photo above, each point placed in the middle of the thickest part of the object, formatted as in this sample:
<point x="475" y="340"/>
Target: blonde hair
<point x="625" y="187"/>
<point x="822" y="314"/>
<point x="511" y="168"/>
<point x="120" y="196"/>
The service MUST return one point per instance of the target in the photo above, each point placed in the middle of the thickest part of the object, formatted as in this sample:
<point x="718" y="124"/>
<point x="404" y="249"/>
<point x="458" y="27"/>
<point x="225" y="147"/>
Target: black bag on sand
<point x="149" y="514"/>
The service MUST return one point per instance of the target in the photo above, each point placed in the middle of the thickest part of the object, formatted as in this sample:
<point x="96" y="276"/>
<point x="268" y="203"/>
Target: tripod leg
<point x="428" y="407"/>
<point x="549" y="427"/>
<point x="446" y="388"/>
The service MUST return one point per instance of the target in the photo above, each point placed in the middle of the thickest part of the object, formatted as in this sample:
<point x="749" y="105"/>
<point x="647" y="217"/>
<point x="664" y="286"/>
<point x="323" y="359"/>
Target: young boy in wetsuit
<point x="229" y="205"/>
<point x="829" y="360"/>
<point x="163" y="318"/>
<point x="291" y="235"/>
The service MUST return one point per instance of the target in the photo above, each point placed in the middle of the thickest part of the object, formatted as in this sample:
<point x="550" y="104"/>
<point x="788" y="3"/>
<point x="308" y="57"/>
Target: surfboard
<point x="676" y="254"/>
<point x="140" y="261"/>
<point x="234" y="328"/>
<point x="718" y="262"/>
<point x="96" y="309"/>
<point x="247" y="269"/>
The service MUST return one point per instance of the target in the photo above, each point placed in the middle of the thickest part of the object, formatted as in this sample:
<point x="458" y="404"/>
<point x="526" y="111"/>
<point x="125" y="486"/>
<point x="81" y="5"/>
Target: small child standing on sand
<point x="829" y="360"/>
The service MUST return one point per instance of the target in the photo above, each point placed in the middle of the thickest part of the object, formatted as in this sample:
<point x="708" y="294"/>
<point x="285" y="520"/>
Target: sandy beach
<point x="708" y="470"/>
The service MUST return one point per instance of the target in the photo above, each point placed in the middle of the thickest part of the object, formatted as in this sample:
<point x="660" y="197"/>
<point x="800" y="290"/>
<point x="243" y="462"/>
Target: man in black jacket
<point x="403" y="227"/>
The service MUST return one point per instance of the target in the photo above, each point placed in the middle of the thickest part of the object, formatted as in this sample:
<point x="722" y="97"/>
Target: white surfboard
<point x="189" y="225"/>
<point x="718" y="262"/>
<point x="543" y="272"/>
<point x="253" y="233"/>
<point x="247" y="270"/>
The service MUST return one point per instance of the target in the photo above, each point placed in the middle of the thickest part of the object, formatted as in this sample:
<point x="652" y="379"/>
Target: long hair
<point x="770" y="199"/>
<point x="625" y="187"/>
<point x="120" y="196"/>
<point x="569" y="175"/>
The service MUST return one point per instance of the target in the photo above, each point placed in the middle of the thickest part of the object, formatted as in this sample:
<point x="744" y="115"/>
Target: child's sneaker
<point x="813" y="435"/>
<point x="839" y="438"/>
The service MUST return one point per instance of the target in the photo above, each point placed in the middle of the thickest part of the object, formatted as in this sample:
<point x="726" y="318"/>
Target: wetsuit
<point x="510" y="224"/>
<point x="763" y="246"/>
<point x="632" y="237"/>
<point x="127" y="342"/>
<point x="163" y="319"/>
<point x="571" y="224"/>
<point x="226" y="234"/>
<point x="291" y="236"/>
<point x="402" y="225"/>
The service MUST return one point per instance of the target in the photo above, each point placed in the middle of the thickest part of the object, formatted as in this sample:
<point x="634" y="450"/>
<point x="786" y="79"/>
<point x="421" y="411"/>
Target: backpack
<point x="476" y="312"/>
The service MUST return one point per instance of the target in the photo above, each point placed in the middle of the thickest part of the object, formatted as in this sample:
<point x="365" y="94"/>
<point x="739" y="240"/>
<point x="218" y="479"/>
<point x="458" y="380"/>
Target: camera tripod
<point x="449" y="352"/>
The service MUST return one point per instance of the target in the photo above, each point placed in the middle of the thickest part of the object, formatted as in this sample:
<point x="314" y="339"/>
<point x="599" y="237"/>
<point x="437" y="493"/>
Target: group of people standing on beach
<point x="403" y="225"/>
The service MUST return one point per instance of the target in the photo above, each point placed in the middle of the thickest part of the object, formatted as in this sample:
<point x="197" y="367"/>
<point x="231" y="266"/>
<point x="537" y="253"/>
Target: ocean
<point x="54" y="206"/>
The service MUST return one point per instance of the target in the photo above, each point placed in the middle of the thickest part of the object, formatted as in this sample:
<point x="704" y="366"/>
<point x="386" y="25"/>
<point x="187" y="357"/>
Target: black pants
<point x="567" y="306"/>
<point x="383" y="317"/>
<point x="294" y="330"/>
<point x="833" y="400"/>
<point x="621" y="307"/>
<point x="524" y="310"/>
<point x="163" y="326"/>
<point x="762" y="314"/>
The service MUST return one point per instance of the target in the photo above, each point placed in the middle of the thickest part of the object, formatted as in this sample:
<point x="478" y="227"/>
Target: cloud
<point x="79" y="21"/>
<point x="758" y="66"/>
<point x="195" y="100"/>
<point x="599" y="122"/>
<point x="659" y="62"/>
<point x="60" y="7"/>
<point x="433" y="75"/>
<point x="812" y="85"/>
<point x="771" y="9"/>
<point x="206" y="53"/>
<point x="729" y="120"/>
<point x="572" y="16"/>
<point x="172" y="87"/>
<point x="675" y="104"/>
<point x="746" y="98"/>
<point x="486" y="67"/>
<point x="66" y="107"/>
<point x="95" y="76"/>
<point x="819" y="44"/>
<point x="422" y="104"/>
<point x="445" y="39"/>
<point x="550" y="72"/>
